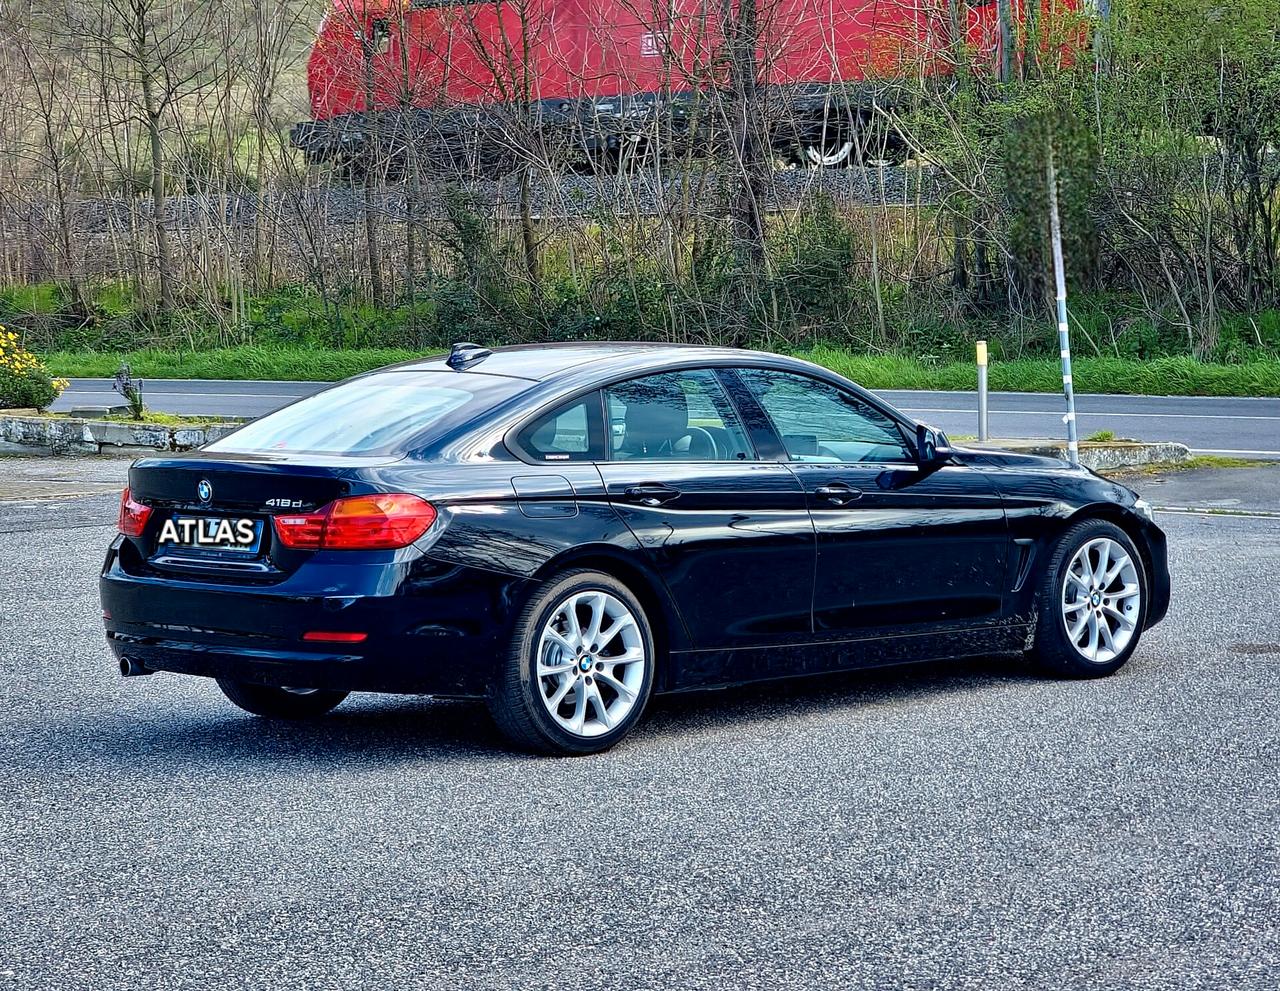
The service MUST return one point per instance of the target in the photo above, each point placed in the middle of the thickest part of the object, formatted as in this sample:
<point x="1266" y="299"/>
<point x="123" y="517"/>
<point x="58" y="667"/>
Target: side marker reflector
<point x="334" y="636"/>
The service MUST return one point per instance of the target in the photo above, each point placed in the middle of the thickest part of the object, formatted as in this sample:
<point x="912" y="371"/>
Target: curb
<point x="43" y="435"/>
<point x="1098" y="455"/>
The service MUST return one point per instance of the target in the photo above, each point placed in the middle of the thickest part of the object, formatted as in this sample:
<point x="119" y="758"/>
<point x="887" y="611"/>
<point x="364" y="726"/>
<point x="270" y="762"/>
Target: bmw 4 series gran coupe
<point x="565" y="530"/>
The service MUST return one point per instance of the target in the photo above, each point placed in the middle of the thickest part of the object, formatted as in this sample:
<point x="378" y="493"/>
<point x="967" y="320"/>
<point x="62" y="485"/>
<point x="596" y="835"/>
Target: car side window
<point x="675" y="416"/>
<point x="565" y="434"/>
<point x="821" y="423"/>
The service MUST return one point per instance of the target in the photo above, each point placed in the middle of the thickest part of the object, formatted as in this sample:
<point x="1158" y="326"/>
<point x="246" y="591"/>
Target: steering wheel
<point x="710" y="442"/>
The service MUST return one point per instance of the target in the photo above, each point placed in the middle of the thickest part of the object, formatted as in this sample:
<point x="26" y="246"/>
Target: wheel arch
<point x="1152" y="548"/>
<point x="1158" y="593"/>
<point x="1111" y="513"/>
<point x="669" y="631"/>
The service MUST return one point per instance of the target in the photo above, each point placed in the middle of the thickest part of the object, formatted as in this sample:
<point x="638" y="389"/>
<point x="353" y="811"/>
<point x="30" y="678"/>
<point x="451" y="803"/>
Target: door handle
<point x="838" y="493"/>
<point x="650" y="493"/>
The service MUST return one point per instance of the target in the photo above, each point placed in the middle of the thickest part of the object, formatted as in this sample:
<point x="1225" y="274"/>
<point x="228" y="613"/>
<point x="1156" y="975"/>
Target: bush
<point x="24" y="381"/>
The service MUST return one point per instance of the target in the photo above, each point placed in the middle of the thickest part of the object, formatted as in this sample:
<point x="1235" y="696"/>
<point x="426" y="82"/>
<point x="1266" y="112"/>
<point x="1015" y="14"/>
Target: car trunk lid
<point x="202" y="504"/>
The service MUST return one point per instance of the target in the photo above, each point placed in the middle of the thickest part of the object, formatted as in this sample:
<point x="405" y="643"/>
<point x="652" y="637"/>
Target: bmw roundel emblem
<point x="204" y="490"/>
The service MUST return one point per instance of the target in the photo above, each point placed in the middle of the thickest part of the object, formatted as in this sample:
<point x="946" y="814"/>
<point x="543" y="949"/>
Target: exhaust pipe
<point x="130" y="668"/>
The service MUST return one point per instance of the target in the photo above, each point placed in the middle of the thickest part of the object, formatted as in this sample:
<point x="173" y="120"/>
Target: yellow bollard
<point x="982" y="390"/>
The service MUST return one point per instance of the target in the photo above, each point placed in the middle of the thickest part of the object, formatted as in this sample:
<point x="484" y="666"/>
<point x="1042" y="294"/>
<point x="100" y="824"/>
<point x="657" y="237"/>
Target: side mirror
<point x="932" y="445"/>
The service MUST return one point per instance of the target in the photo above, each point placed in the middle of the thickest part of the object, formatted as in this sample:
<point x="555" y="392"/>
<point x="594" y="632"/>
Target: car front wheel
<point x="1093" y="602"/>
<point x="579" y="671"/>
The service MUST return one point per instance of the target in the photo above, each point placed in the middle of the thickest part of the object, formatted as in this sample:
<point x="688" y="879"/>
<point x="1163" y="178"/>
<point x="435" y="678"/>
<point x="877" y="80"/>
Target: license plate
<point x="212" y="533"/>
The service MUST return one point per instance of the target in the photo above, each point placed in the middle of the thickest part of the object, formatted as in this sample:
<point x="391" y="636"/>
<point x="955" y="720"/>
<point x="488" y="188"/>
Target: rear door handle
<point x="838" y="493"/>
<point x="650" y="493"/>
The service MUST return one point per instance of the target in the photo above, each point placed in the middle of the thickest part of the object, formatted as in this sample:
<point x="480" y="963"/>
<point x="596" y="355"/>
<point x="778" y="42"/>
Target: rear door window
<point x="383" y="413"/>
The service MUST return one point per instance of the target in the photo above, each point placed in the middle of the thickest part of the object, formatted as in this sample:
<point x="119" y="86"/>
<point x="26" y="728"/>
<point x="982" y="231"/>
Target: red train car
<point x="460" y="79"/>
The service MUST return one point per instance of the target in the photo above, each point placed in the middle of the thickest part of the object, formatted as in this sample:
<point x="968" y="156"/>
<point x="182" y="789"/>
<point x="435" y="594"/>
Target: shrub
<point x="24" y="381"/>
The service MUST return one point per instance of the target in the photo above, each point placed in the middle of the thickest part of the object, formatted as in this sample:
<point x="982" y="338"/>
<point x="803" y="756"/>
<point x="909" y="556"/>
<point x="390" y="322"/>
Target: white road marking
<point x="1234" y="514"/>
<point x="147" y="393"/>
<point x="107" y="382"/>
<point x="1220" y="450"/>
<point x="1079" y="395"/>
<point x="1154" y="415"/>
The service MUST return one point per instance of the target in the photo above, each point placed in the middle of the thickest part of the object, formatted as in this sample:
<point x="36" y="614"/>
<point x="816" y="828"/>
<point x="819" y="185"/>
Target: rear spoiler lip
<point x="298" y="461"/>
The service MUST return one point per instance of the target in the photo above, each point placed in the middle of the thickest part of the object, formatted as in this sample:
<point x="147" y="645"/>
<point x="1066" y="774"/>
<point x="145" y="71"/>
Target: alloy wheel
<point x="1101" y="600"/>
<point x="591" y="663"/>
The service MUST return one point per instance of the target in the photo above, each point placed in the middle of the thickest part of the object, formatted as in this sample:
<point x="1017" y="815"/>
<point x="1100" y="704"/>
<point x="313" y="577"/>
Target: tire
<point x="280" y="703"/>
<point x="1073" y="599"/>
<point x="604" y="701"/>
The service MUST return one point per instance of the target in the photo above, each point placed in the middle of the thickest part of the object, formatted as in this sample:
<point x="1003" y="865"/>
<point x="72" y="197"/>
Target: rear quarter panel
<point x="552" y="518"/>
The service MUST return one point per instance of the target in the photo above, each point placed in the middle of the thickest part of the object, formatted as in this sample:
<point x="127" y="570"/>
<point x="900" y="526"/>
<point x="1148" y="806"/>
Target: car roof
<point x="557" y="372"/>
<point x="549" y="362"/>
<point x="520" y="382"/>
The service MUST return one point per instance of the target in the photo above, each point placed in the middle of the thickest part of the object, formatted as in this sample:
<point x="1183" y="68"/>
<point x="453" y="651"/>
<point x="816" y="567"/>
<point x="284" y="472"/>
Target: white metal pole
<point x="982" y="390"/>
<point x="1064" y="332"/>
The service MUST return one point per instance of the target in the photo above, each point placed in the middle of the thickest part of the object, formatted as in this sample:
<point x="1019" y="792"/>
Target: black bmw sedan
<point x="564" y="531"/>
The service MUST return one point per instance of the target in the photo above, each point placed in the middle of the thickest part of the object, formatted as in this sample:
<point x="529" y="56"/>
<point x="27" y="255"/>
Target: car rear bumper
<point x="436" y="630"/>
<point x="297" y="669"/>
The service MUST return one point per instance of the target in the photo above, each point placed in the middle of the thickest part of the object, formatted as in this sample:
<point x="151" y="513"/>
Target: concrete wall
<point x="72" y="435"/>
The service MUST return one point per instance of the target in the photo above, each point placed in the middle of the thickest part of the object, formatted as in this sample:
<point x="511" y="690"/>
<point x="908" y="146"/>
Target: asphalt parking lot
<point x="962" y="826"/>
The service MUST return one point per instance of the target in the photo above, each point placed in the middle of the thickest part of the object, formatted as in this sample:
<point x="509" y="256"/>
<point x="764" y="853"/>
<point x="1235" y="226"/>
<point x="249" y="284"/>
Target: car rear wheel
<point x="280" y="703"/>
<point x="579" y="671"/>
<point x="1093" y="602"/>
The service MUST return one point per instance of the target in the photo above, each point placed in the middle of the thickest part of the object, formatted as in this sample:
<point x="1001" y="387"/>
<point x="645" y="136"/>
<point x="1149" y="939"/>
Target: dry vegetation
<point x="149" y="194"/>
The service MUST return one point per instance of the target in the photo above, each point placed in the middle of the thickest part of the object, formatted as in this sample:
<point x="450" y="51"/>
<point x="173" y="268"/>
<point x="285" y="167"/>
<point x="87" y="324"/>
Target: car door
<point x="728" y="533"/>
<point x="901" y="548"/>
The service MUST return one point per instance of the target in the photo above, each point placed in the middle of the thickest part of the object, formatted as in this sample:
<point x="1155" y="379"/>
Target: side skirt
<point x="693" y="670"/>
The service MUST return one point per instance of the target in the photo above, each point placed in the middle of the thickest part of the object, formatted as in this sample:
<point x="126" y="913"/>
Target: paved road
<point x="193" y="396"/>
<point x="943" y="827"/>
<point x="1230" y="426"/>
<point x="1241" y="427"/>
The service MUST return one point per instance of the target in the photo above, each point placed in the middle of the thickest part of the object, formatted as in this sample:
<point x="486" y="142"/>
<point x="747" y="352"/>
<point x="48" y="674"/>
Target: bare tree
<point x="158" y="52"/>
<point x="56" y="127"/>
<point x="750" y="150"/>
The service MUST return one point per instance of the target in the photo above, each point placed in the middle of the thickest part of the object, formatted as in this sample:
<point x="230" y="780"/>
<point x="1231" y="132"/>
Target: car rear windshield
<point x="379" y="414"/>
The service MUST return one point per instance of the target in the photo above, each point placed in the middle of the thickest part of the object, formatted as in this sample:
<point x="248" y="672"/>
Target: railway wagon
<point x="471" y="82"/>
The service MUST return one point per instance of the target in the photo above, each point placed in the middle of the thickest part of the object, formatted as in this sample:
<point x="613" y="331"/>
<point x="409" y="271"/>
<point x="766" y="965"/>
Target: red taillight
<point x="133" y="515"/>
<point x="334" y="636"/>
<point x="367" y="523"/>
<point x="377" y="521"/>
<point x="304" y="532"/>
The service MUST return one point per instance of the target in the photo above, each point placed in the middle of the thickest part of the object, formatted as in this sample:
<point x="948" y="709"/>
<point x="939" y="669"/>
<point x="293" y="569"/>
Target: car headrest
<point x="657" y="414"/>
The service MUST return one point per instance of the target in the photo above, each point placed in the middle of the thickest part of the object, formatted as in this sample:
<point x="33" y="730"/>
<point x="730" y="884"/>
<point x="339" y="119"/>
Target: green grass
<point x="1102" y="436"/>
<point x="1218" y="461"/>
<point x="1191" y="464"/>
<point x="149" y="416"/>
<point x="1160" y="376"/>
<point x="170" y="419"/>
<point x="40" y="298"/>
<point x="247" y="362"/>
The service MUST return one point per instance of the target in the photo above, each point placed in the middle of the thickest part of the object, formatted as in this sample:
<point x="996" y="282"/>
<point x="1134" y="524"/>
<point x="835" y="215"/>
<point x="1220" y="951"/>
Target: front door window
<point x="822" y="424"/>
